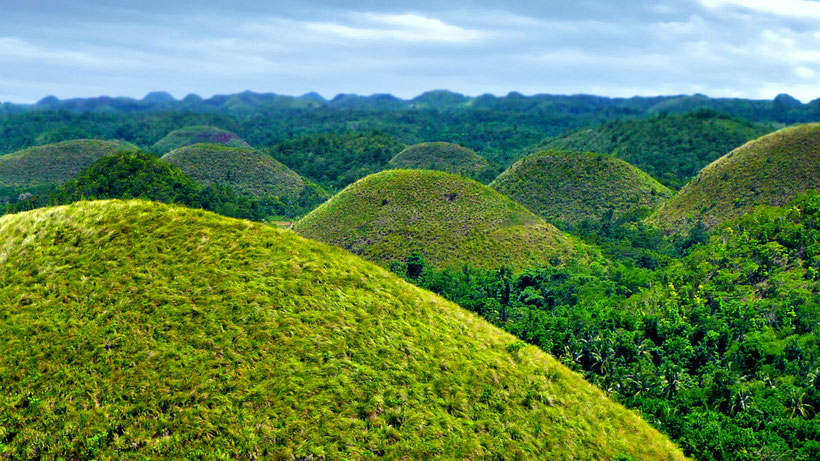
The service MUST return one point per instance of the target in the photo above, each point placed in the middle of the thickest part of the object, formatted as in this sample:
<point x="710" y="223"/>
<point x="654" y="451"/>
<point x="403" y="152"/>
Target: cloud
<point x="399" y="27"/>
<point x="793" y="8"/>
<point x="13" y="48"/>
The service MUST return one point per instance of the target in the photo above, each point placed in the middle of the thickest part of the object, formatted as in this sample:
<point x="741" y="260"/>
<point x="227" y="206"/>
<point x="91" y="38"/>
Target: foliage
<point x="141" y="330"/>
<point x="771" y="170"/>
<point x="196" y="135"/>
<point x="569" y="187"/>
<point x="444" y="156"/>
<point x="449" y="219"/>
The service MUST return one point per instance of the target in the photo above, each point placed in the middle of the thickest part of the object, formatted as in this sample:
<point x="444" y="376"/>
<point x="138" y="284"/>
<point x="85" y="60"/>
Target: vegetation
<point x="196" y="135"/>
<point x="670" y="148"/>
<point x="53" y="163"/>
<point x="570" y="187"/>
<point x="141" y="330"/>
<point x="444" y="156"/>
<point x="720" y="349"/>
<point x="449" y="219"/>
<point x="249" y="172"/>
<point x="771" y="170"/>
<point x="335" y="160"/>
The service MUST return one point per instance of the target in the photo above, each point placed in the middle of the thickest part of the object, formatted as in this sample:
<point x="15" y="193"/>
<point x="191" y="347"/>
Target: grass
<point x="571" y="187"/>
<point x="771" y="170"/>
<point x="450" y="219"/>
<point x="141" y="330"/>
<point x="195" y="135"/>
<point x="444" y="156"/>
<point x="247" y="171"/>
<point x="54" y="164"/>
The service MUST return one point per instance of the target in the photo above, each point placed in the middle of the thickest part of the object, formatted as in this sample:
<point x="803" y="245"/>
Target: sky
<point x="721" y="48"/>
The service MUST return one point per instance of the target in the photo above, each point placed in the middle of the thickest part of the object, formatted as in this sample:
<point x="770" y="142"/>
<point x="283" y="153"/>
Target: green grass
<point x="571" y="187"/>
<point x="444" y="156"/>
<point x="450" y="219"/>
<point x="771" y="170"/>
<point x="247" y="171"/>
<point x="195" y="135"/>
<point x="54" y="164"/>
<point x="141" y="330"/>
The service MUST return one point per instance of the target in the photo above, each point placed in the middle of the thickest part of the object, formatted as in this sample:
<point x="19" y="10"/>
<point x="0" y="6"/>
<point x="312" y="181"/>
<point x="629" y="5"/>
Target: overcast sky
<point x="81" y="48"/>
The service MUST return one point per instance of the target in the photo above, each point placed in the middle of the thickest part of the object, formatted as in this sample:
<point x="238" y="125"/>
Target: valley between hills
<point x="366" y="277"/>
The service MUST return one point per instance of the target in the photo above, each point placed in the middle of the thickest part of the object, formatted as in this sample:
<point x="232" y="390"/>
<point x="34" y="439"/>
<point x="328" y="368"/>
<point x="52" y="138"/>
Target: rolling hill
<point x="195" y="135"/>
<point x="56" y="163"/>
<point x="671" y="148"/>
<point x="449" y="219"/>
<point x="443" y="156"/>
<point x="570" y="187"/>
<point x="771" y="170"/>
<point x="136" y="329"/>
<point x="247" y="171"/>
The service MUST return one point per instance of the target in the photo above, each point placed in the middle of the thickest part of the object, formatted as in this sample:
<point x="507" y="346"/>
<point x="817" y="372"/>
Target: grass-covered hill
<point x="670" y="148"/>
<point x="141" y="330"/>
<point x="54" y="163"/>
<point x="444" y="156"/>
<point x="570" y="187"/>
<point x="247" y="171"/>
<point x="771" y="170"/>
<point x="449" y="219"/>
<point x="195" y="135"/>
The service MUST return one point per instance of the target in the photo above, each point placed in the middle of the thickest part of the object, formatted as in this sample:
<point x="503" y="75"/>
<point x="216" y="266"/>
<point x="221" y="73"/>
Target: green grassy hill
<point x="570" y="187"/>
<point x="247" y="171"/>
<point x="54" y="163"/>
<point x="771" y="170"/>
<point x="450" y="219"/>
<point x="444" y="156"/>
<point x="670" y="148"/>
<point x="195" y="135"/>
<point x="141" y="330"/>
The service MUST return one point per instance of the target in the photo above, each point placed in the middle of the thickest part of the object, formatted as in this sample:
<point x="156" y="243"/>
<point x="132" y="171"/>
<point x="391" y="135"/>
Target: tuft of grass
<point x="449" y="219"/>
<point x="133" y="329"/>
<point x="771" y="170"/>
<point x="444" y="156"/>
<point x="571" y="187"/>
<point x="56" y="163"/>
<point x="195" y="135"/>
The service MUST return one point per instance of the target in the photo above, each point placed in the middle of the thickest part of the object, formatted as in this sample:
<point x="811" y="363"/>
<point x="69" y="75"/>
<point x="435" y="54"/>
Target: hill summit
<point x="570" y="187"/>
<point x="443" y="156"/>
<point x="136" y="329"/>
<point x="770" y="170"/>
<point x="195" y="135"/>
<point x="449" y="219"/>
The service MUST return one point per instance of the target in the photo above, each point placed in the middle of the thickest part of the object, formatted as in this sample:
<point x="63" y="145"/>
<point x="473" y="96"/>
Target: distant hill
<point x="570" y="187"/>
<point x="56" y="163"/>
<point x="247" y="171"/>
<point x="195" y="135"/>
<point x="450" y="219"/>
<point x="242" y="341"/>
<point x="670" y="148"/>
<point x="444" y="156"/>
<point x="770" y="170"/>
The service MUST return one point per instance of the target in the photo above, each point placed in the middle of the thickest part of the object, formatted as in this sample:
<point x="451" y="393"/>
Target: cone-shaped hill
<point x="571" y="187"/>
<point x="450" y="219"/>
<point x="443" y="156"/>
<point x="247" y="171"/>
<point x="54" y="163"/>
<point x="136" y="329"/>
<point x="195" y="135"/>
<point x="770" y="170"/>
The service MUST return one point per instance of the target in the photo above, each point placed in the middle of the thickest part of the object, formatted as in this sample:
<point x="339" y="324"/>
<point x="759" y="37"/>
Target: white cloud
<point x="400" y="27"/>
<point x="804" y="72"/>
<point x="794" y="8"/>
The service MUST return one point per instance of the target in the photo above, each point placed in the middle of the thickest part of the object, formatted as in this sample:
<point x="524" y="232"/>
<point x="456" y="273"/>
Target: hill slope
<point x="135" y="329"/>
<point x="571" y="187"/>
<point x="247" y="171"/>
<point x="54" y="163"/>
<point x="771" y="170"/>
<point x="670" y="148"/>
<point x="195" y="135"/>
<point x="451" y="220"/>
<point x="443" y="156"/>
